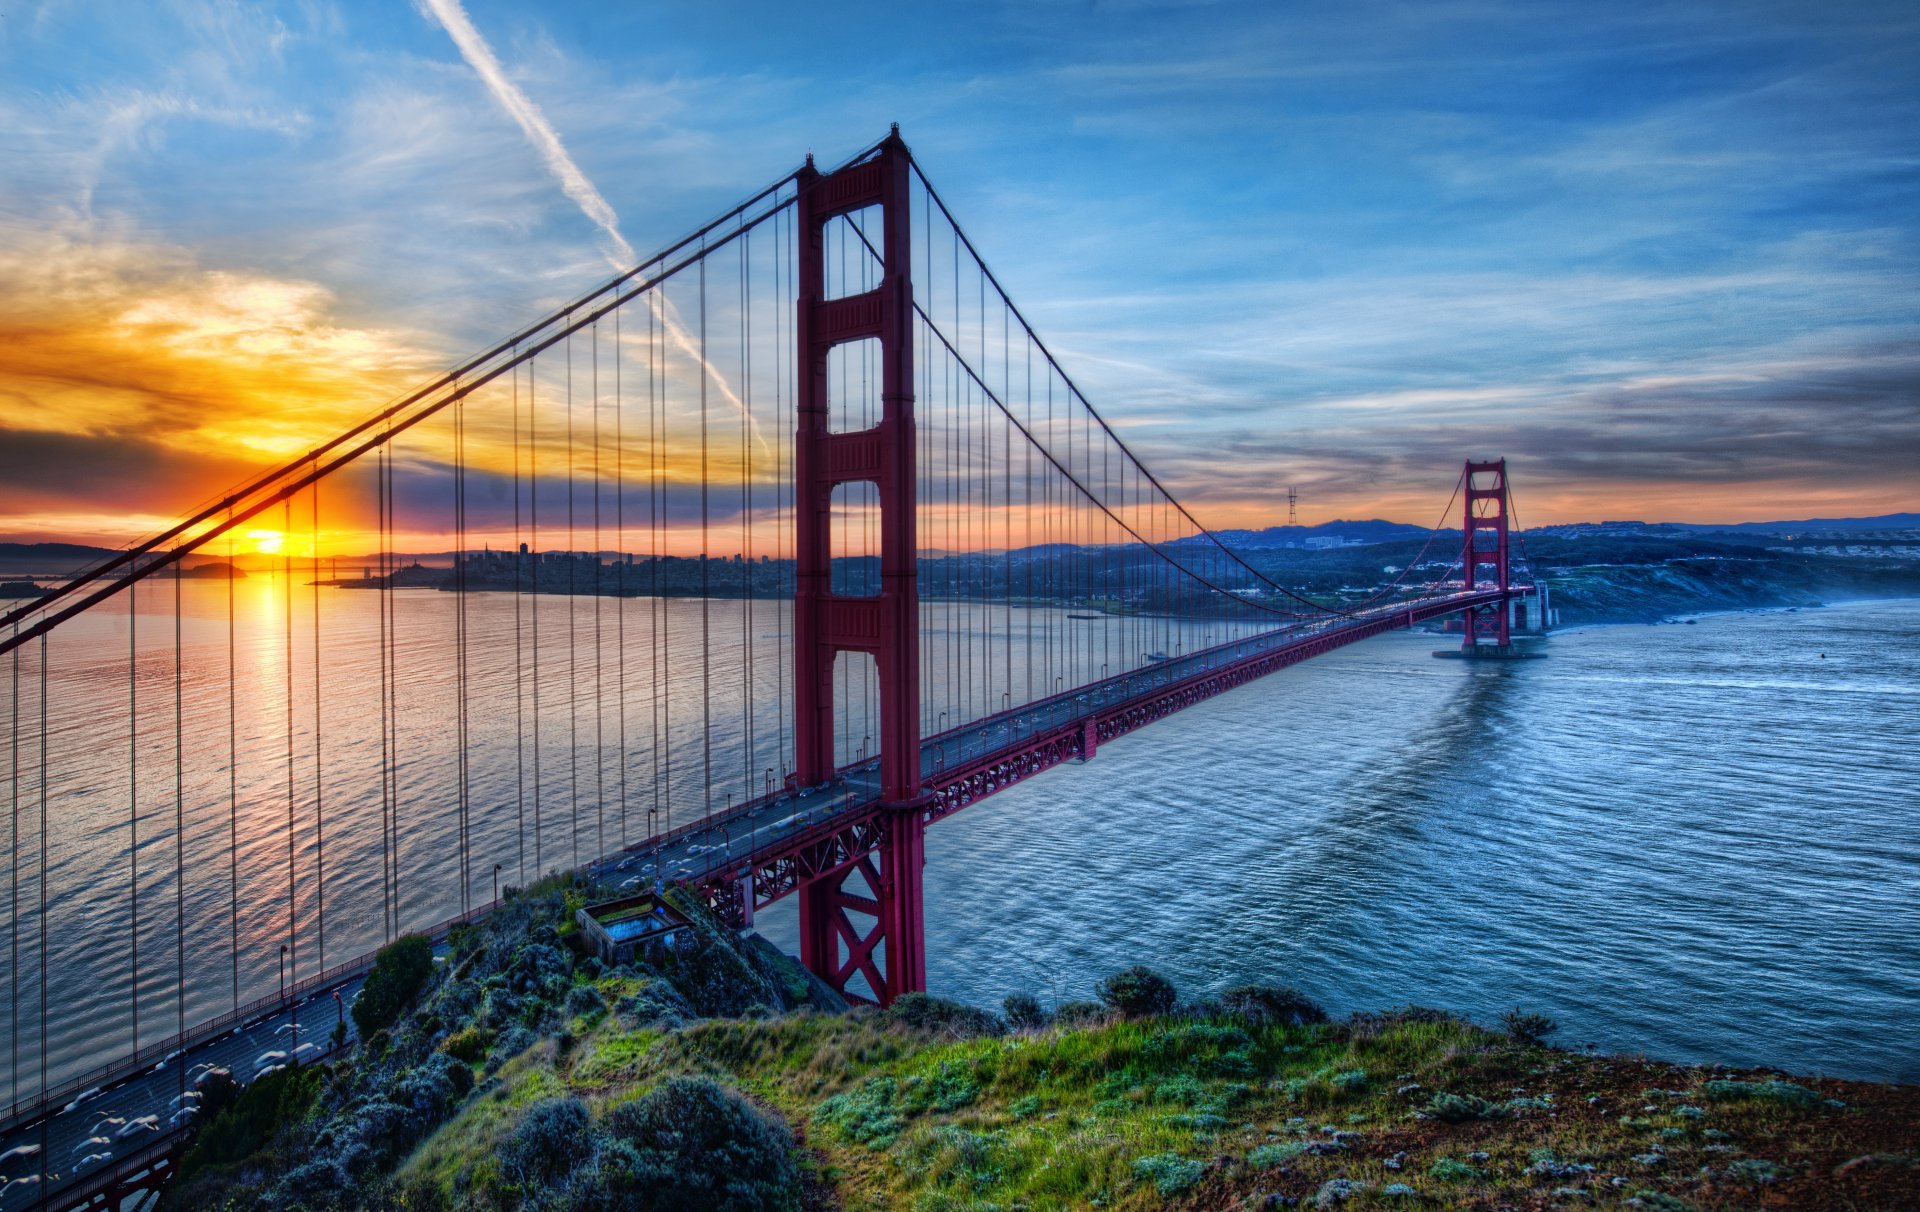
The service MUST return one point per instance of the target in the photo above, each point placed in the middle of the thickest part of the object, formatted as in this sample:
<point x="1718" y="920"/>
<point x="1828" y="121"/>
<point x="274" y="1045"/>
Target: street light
<point x="283" y="970"/>
<point x="496" y="883"/>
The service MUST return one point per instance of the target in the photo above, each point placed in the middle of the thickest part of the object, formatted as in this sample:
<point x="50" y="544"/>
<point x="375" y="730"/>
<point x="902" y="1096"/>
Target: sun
<point x="267" y="542"/>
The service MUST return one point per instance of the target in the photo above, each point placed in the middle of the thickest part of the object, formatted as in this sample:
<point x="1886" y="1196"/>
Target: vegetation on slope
<point x="528" y="1077"/>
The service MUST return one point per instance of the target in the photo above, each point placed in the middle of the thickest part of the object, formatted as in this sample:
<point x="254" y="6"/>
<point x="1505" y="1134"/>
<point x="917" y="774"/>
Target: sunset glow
<point x="1682" y="305"/>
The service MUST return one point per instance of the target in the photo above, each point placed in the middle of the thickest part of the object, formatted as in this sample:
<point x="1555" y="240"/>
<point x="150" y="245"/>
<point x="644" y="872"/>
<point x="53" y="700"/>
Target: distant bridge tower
<point x="891" y="953"/>
<point x="1486" y="546"/>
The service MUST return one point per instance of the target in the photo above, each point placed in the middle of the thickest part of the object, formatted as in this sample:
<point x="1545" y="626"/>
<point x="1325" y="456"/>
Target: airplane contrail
<point x="520" y="107"/>
<point x="573" y="182"/>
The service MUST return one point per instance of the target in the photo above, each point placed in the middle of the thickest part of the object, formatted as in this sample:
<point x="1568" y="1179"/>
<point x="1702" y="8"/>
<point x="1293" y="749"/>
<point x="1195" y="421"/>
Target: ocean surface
<point x="1697" y="842"/>
<point x="1700" y="843"/>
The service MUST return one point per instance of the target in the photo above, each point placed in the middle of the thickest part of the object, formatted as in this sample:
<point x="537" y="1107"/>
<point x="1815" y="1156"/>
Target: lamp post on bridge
<point x="496" y="883"/>
<point x="283" y="972"/>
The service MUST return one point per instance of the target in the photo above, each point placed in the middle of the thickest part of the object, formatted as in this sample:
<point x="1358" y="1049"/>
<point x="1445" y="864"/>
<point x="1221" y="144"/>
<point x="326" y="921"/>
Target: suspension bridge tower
<point x="890" y="954"/>
<point x="1486" y="548"/>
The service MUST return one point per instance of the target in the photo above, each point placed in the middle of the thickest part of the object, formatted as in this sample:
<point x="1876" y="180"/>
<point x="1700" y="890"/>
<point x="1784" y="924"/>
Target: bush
<point x="653" y="1002"/>
<point x="585" y="1000"/>
<point x="1527" y="1030"/>
<point x="250" y="1118"/>
<point x="1281" y="1005"/>
<point x="551" y="1138"/>
<point x="399" y="970"/>
<point x="1169" y="1173"/>
<point x="1138" y="992"/>
<point x="1202" y="1048"/>
<point x="1024" y="1012"/>
<point x="1448" y="1170"/>
<point x="1079" y="1014"/>
<point x="469" y="1045"/>
<point x="1373" y="1024"/>
<point x="693" y="1143"/>
<point x="1459" y="1108"/>
<point x="924" y="1012"/>
<point x="866" y="1115"/>
<point x="1266" y="1156"/>
<point x="1773" y="1090"/>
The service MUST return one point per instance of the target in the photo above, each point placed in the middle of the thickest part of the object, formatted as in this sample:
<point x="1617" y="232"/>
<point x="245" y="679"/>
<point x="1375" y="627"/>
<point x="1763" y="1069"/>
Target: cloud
<point x="474" y="49"/>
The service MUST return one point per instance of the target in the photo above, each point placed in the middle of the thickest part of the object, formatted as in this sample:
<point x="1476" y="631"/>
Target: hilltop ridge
<point x="524" y="1073"/>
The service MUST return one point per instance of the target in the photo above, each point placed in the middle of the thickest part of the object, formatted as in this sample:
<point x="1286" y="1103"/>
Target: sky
<point x="1664" y="257"/>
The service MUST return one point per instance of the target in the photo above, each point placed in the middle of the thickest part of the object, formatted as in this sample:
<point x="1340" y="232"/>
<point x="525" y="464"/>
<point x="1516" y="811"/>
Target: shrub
<point x="1024" y="1012"/>
<point x="1169" y="1173"/>
<point x="924" y="1012"/>
<point x="1203" y="1047"/>
<point x="1079" y="1014"/>
<point x="1350" y="1081"/>
<point x="866" y="1115"/>
<point x="1138" y="992"/>
<point x="693" y="1143"/>
<point x="1459" y="1108"/>
<point x="1372" y="1024"/>
<point x="584" y="1000"/>
<point x="399" y="970"/>
<point x="250" y="1118"/>
<point x="1773" y="1090"/>
<point x="653" y="1002"/>
<point x="549" y="1141"/>
<point x="1527" y="1030"/>
<point x="469" y="1045"/>
<point x="1448" y="1170"/>
<point x="512" y="1042"/>
<point x="1273" y="1155"/>
<point x="1281" y="1005"/>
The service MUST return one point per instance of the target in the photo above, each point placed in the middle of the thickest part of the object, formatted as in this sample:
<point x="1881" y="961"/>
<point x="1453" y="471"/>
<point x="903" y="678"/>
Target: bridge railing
<point x="133" y="1064"/>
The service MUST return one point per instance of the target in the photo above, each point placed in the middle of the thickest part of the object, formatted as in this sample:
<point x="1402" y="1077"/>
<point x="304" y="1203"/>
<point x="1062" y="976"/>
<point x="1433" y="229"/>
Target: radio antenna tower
<point x="1293" y="501"/>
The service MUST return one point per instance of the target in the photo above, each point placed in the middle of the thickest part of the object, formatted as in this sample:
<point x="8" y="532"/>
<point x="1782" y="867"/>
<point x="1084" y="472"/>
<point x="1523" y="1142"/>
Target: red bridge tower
<point x="1486" y="515"/>
<point x="890" y="954"/>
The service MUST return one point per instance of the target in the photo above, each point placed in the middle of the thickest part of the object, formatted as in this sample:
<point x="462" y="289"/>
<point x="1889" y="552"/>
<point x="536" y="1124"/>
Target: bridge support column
<point x="1486" y="548"/>
<point x="891" y="958"/>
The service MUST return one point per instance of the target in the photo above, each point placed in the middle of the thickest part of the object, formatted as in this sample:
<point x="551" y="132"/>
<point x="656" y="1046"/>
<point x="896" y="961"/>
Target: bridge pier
<point x="889" y="956"/>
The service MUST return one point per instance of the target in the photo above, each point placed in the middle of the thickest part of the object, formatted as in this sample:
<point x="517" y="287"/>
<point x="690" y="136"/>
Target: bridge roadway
<point x="134" y="1106"/>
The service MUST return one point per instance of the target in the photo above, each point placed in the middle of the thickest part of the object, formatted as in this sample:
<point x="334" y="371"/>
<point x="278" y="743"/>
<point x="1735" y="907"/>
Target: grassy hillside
<point x="527" y="1077"/>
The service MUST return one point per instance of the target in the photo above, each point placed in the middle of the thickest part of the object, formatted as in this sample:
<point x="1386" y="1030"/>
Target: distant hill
<point x="1805" y="526"/>
<point x="1345" y="533"/>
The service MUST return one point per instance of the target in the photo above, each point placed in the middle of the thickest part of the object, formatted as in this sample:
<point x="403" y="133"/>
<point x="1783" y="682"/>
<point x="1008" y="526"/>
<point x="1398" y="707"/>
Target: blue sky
<point x="1662" y="256"/>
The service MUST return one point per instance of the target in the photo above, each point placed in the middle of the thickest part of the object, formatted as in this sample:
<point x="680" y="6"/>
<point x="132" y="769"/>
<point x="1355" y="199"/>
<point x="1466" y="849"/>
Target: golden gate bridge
<point x="736" y="573"/>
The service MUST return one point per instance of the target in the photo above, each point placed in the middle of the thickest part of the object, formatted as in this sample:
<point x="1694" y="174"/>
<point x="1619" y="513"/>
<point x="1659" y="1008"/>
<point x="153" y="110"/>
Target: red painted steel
<point x="887" y="626"/>
<point x="821" y="856"/>
<point x="1486" y="512"/>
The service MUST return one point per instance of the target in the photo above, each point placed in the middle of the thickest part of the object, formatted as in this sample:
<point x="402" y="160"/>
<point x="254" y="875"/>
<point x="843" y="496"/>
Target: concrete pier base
<point x="1489" y="652"/>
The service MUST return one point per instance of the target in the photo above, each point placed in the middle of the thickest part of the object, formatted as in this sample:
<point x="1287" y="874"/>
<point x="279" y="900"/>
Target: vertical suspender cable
<point x="13" y="882"/>
<point x="519" y="661"/>
<point x="286" y="584"/>
<point x="233" y="778"/>
<point x="133" y="810"/>
<point x="599" y="703"/>
<point x="622" y="561"/>
<point x="179" y="834"/>
<point x="706" y="602"/>
<point x="573" y="589"/>
<point x="44" y="971"/>
<point x="465" y="855"/>
<point x="534" y="562"/>
<point x="319" y="768"/>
